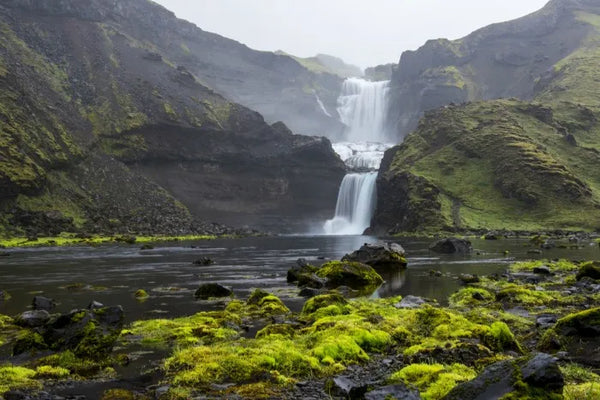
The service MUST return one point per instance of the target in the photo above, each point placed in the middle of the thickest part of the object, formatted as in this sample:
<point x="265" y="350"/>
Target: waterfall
<point x="362" y="106"/>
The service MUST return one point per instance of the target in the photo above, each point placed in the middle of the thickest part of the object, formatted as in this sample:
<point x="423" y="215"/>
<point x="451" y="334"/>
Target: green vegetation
<point x="521" y="171"/>
<point x="74" y="240"/>
<point x="434" y="381"/>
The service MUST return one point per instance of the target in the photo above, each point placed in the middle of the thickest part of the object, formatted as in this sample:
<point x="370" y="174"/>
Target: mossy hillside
<point x="491" y="165"/>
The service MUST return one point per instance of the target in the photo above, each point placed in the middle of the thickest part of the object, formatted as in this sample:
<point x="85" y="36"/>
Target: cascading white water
<point x="362" y="107"/>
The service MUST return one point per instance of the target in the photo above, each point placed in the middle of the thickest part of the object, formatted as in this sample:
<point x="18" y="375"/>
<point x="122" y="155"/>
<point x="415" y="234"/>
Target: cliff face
<point x="504" y="164"/>
<point x="499" y="61"/>
<point x="103" y="128"/>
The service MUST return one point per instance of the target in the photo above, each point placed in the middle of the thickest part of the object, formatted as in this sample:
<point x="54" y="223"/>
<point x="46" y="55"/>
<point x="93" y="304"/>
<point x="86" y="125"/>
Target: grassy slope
<point x="508" y="164"/>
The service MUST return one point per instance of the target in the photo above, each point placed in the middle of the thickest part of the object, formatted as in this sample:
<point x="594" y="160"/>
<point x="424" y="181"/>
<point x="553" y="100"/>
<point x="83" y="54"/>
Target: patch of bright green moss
<point x="434" y="381"/>
<point x="554" y="266"/>
<point x="352" y="274"/>
<point x="470" y="296"/>
<point x="17" y="378"/>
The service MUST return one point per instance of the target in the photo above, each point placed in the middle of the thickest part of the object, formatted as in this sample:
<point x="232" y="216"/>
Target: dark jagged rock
<point x="43" y="303"/>
<point x="452" y="245"/>
<point x="398" y="392"/>
<point x="89" y="334"/>
<point x="468" y="278"/>
<point x="384" y="255"/>
<point x="542" y="270"/>
<point x="539" y="373"/>
<point x="204" y="261"/>
<point x="346" y="387"/>
<point x="33" y="319"/>
<point x="210" y="290"/>
<point x="411" y="301"/>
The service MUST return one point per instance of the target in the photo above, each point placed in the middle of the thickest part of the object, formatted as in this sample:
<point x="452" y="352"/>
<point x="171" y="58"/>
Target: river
<point x="110" y="274"/>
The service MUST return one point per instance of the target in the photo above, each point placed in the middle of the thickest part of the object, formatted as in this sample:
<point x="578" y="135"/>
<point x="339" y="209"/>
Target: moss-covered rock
<point x="352" y="274"/>
<point x="589" y="270"/>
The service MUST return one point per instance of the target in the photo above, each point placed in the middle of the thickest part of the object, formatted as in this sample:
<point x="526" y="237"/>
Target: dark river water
<point x="110" y="274"/>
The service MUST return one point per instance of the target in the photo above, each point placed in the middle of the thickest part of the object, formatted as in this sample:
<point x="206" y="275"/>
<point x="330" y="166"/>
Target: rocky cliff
<point x="104" y="125"/>
<point x="524" y="164"/>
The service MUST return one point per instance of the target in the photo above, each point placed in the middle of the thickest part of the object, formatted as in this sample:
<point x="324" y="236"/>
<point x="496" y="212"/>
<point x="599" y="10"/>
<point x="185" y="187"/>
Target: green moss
<point x="17" y="378"/>
<point x="500" y="338"/>
<point x="51" y="372"/>
<point x="553" y="266"/>
<point x="324" y="301"/>
<point x="141" y="294"/>
<point x="353" y="274"/>
<point x="521" y="173"/>
<point x="78" y="367"/>
<point x="469" y="297"/>
<point x="201" y="328"/>
<point x="434" y="381"/>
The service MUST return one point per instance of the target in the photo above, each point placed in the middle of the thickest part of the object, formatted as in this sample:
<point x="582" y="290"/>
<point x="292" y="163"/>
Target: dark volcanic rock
<point x="215" y="290"/>
<point x="589" y="270"/>
<point x="389" y="255"/>
<point x="398" y="392"/>
<point x="411" y="301"/>
<point x="33" y="319"/>
<point x="43" y="303"/>
<point x="89" y="333"/>
<point x="452" y="245"/>
<point x="540" y="373"/>
<point x="204" y="261"/>
<point x="346" y="387"/>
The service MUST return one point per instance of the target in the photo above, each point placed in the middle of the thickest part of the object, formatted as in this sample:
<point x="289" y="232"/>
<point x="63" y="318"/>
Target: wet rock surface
<point x="383" y="255"/>
<point x="451" y="246"/>
<point x="212" y="290"/>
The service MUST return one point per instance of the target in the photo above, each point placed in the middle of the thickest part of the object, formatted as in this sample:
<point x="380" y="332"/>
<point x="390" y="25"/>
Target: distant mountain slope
<point x="323" y="63"/>
<point x="499" y="61"/>
<point x="100" y="129"/>
<point x="503" y="164"/>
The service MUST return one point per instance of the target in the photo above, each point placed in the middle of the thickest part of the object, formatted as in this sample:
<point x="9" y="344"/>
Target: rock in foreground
<point x="519" y="378"/>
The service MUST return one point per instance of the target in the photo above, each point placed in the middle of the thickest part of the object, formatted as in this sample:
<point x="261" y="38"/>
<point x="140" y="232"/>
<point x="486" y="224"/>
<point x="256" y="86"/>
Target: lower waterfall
<point x="355" y="205"/>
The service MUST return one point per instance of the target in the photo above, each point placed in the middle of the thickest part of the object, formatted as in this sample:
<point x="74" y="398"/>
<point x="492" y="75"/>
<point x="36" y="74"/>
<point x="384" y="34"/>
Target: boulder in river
<point x="355" y="275"/>
<point x="452" y="245"/>
<point x="210" y="290"/>
<point x="379" y="255"/>
<point x="539" y="374"/>
<point x="43" y="303"/>
<point x="33" y="318"/>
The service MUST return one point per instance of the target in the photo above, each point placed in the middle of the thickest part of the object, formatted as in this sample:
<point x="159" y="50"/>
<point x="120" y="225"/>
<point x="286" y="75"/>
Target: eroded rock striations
<point x="106" y="124"/>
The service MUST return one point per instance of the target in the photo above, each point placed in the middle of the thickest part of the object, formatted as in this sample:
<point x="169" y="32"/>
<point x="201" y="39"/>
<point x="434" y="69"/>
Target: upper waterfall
<point x="362" y="107"/>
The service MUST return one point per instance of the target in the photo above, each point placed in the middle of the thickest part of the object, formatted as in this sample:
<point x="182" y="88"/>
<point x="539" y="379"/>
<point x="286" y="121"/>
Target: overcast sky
<point x="362" y="32"/>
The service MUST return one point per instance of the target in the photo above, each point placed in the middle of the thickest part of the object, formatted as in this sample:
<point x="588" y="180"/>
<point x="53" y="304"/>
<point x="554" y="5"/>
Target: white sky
<point x="362" y="32"/>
